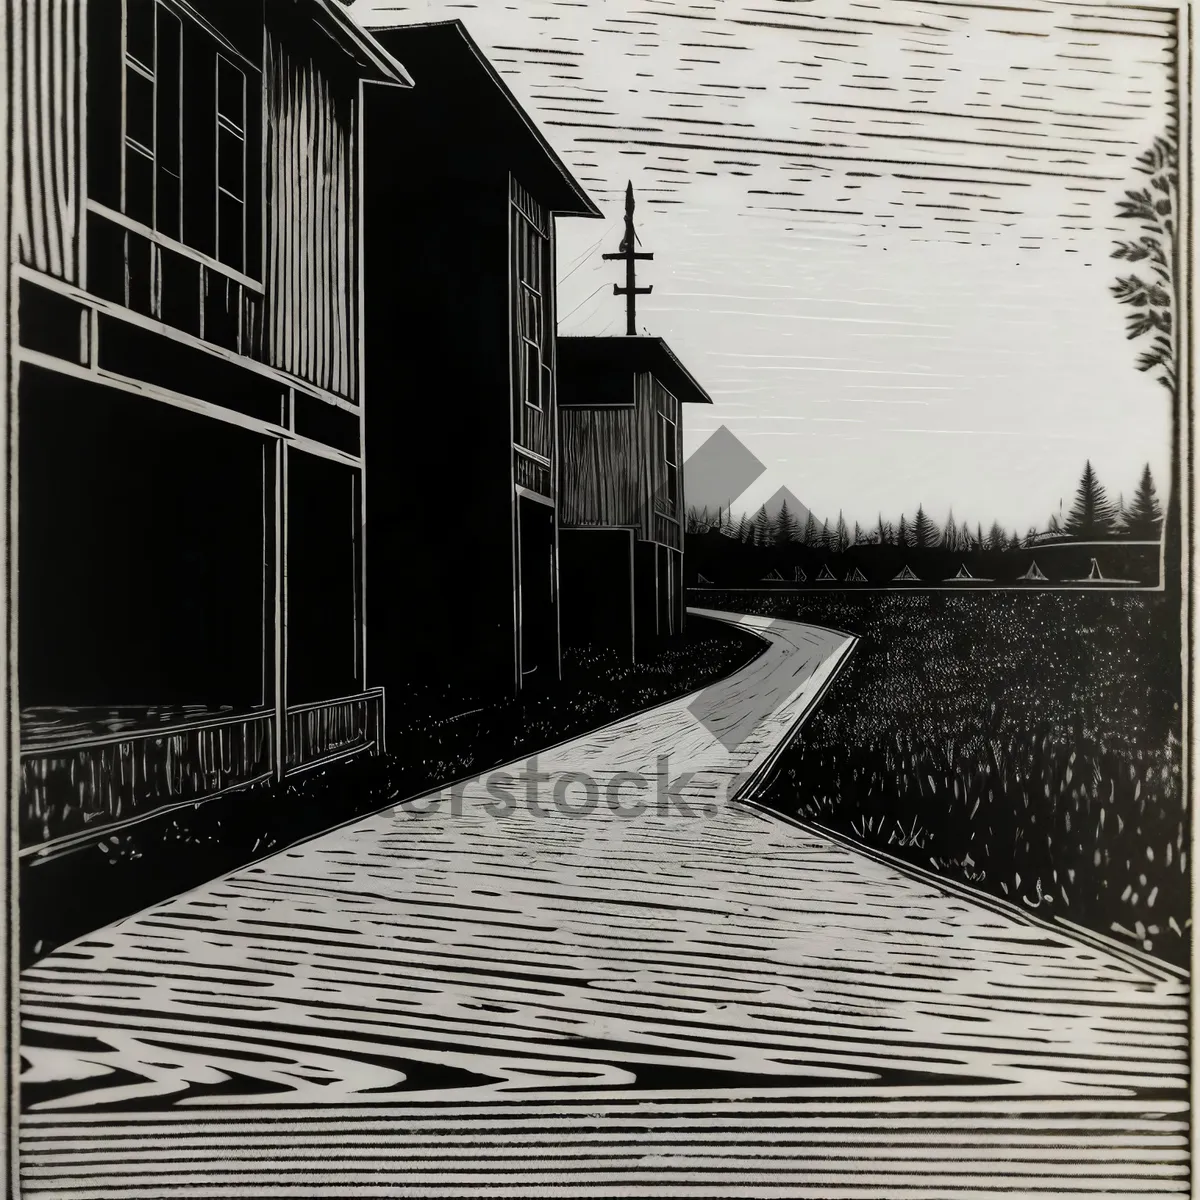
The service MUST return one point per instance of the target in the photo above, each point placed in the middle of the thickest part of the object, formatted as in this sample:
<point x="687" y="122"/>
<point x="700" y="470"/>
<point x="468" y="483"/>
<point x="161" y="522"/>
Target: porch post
<point x="281" y="535"/>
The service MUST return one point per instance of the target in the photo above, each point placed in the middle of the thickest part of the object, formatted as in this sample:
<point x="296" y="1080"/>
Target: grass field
<point x="1028" y="744"/>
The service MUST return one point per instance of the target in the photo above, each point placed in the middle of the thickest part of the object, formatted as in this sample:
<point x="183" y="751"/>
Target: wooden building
<point x="621" y="500"/>
<point x="188" y="374"/>
<point x="462" y="468"/>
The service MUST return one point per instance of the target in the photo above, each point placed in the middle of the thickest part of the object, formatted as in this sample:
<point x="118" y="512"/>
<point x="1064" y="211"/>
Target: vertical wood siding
<point x="45" y="128"/>
<point x="599" y="483"/>
<point x="311" y="241"/>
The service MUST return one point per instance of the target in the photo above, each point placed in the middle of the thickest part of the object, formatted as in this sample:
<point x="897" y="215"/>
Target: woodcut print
<point x="598" y="598"/>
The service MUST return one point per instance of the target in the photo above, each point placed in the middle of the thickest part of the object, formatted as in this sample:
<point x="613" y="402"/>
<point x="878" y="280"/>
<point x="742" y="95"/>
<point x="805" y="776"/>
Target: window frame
<point x="224" y="124"/>
<point x="535" y="373"/>
<point x="669" y="437"/>
<point x="133" y="63"/>
<point x="532" y="344"/>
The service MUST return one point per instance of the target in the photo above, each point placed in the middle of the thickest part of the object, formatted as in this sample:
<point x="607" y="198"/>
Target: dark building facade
<point x="188" y="377"/>
<point x="621" y="500"/>
<point x="461" y="198"/>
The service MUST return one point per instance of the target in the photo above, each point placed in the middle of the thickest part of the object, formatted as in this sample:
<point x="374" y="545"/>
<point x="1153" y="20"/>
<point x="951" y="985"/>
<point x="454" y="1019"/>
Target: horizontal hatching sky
<point x="882" y="231"/>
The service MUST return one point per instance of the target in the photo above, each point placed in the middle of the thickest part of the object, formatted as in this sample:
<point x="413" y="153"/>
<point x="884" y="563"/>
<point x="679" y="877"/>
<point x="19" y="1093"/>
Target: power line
<point x="582" y="303"/>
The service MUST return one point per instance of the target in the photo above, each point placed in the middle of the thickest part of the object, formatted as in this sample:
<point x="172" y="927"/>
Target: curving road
<point x="598" y="975"/>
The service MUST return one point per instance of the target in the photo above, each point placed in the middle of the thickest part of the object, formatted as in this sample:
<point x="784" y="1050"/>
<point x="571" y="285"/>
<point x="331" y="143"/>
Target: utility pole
<point x="630" y="255"/>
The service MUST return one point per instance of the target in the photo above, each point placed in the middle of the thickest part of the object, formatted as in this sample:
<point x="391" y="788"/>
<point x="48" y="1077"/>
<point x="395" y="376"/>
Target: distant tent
<point x="963" y="573"/>
<point x="773" y="577"/>
<point x="703" y="581"/>
<point x="1034" y="574"/>
<point x="907" y="576"/>
<point x="1096" y="576"/>
<point x="800" y="576"/>
<point x="856" y="576"/>
<point x="826" y="575"/>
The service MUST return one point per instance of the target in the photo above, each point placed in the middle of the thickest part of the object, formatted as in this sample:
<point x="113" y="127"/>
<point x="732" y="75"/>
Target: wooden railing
<point x="90" y="783"/>
<point x="331" y="729"/>
<point x="96" y="781"/>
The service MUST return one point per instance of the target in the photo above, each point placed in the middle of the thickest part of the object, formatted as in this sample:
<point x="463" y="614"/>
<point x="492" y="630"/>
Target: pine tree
<point x="997" y="539"/>
<point x="841" y="535"/>
<point x="1144" y="520"/>
<point x="858" y="534"/>
<point x="762" y="527"/>
<point x="1014" y="542"/>
<point x="964" y="537"/>
<point x="824" y="538"/>
<point x="950" y="533"/>
<point x="923" y="533"/>
<point x="903" y="537"/>
<point x="1092" y="514"/>
<point x="786" y="528"/>
<point x="744" y="529"/>
<point x="977" y="542"/>
<point x="881" y="531"/>
<point x="812" y="531"/>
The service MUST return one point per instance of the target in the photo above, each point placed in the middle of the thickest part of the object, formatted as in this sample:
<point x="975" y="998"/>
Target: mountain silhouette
<point x="798" y="510"/>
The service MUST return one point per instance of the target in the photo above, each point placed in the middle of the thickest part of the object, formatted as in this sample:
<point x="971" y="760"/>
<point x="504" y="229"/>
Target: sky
<point x="882" y="231"/>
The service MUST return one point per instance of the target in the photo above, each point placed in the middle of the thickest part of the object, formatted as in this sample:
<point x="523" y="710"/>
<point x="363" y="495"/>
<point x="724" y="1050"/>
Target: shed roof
<point x="586" y="355"/>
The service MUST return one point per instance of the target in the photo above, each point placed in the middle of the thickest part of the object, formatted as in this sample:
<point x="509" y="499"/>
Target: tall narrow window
<point x="231" y="164"/>
<point x="151" y="189"/>
<point x="168" y="132"/>
<point x="670" y="461"/>
<point x="137" y="190"/>
<point x="535" y="377"/>
<point x="530" y="325"/>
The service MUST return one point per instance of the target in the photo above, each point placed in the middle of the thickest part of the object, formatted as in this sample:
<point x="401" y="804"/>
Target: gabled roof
<point x="375" y="63"/>
<point x="593" y="355"/>
<point x="464" y="94"/>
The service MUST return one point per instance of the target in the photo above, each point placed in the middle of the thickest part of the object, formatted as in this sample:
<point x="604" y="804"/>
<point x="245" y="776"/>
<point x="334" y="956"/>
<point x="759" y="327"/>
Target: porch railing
<point x="88" y="783"/>
<point x="330" y="729"/>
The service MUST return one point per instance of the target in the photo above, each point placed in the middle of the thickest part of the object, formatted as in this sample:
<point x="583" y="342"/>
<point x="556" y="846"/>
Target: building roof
<point x="457" y="84"/>
<point x="638" y="353"/>
<point x="375" y="62"/>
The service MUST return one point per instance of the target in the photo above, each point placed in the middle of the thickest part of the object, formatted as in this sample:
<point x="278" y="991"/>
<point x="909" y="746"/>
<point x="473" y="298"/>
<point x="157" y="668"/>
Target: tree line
<point x="1093" y="517"/>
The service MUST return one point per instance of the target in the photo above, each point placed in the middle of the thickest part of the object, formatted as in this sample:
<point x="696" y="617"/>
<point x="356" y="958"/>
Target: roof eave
<point x="693" y="391"/>
<point x="377" y="65"/>
<point x="700" y="394"/>
<point x="585" y="206"/>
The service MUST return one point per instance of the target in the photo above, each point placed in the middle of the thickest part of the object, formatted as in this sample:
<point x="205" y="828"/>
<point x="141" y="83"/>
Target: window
<point x="158" y="107"/>
<point x="137" y="196"/>
<point x="534" y="376"/>
<point x="231" y="164"/>
<point x="168" y="116"/>
<point x="669" y="456"/>
<point x="152" y="151"/>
